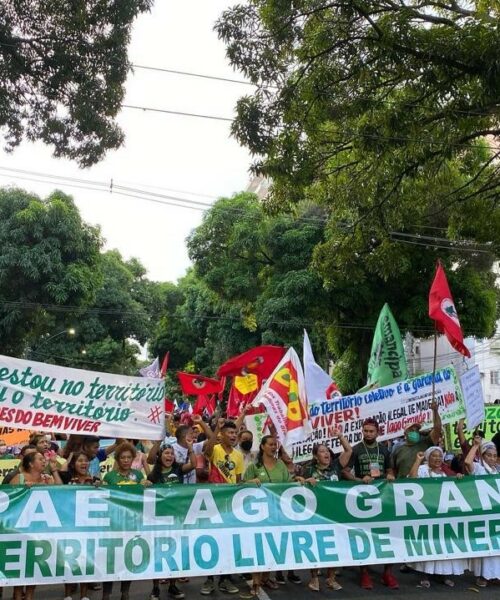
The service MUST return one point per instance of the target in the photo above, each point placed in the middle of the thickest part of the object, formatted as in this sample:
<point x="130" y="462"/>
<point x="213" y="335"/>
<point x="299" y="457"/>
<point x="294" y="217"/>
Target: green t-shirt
<point x="116" y="478"/>
<point x="6" y="456"/>
<point x="404" y="456"/>
<point x="278" y="474"/>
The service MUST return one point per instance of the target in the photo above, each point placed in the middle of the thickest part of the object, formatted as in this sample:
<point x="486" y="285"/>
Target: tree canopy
<point x="385" y="116"/>
<point x="63" y="67"/>
<point x="48" y="256"/>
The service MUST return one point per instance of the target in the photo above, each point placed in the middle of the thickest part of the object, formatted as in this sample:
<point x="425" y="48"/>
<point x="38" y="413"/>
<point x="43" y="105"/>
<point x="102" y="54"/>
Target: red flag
<point x="243" y="390"/>
<point x="204" y="402"/>
<point x="442" y="310"/>
<point x="169" y="406"/>
<point x="164" y="364"/>
<point x="260" y="361"/>
<point x="196" y="385"/>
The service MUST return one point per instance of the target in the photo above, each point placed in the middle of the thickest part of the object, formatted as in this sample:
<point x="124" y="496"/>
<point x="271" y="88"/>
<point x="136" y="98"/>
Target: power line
<point x="177" y="112"/>
<point x="191" y="74"/>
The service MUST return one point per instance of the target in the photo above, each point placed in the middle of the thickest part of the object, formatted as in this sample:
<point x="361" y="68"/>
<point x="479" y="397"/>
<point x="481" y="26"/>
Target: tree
<point x="63" y="67"/>
<point x="49" y="257"/>
<point x="259" y="267"/>
<point x="109" y="329"/>
<point x="379" y="113"/>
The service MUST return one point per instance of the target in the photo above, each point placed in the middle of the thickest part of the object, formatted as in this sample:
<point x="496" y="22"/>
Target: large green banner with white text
<point x="74" y="533"/>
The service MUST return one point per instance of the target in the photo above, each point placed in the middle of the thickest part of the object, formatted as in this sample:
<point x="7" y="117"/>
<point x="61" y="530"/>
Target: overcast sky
<point x="170" y="152"/>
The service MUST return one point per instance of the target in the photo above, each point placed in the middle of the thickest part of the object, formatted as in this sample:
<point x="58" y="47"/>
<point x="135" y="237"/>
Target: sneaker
<point x="279" y="578"/>
<point x="366" y="581"/>
<point x="228" y="586"/>
<point x="207" y="588"/>
<point x="155" y="594"/>
<point x="175" y="592"/>
<point x="294" y="578"/>
<point x="390" y="581"/>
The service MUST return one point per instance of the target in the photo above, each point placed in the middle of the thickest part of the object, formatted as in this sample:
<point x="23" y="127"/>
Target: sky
<point x="163" y="154"/>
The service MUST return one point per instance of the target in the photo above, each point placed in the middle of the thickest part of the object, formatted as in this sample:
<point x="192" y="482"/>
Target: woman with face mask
<point x="487" y="567"/>
<point x="431" y="464"/>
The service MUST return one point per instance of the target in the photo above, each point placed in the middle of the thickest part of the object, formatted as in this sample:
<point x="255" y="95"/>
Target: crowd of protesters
<point x="219" y="451"/>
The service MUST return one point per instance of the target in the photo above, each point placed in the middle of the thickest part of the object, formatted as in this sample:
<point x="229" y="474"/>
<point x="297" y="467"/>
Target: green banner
<point x="490" y="426"/>
<point x="73" y="533"/>
<point x="387" y="362"/>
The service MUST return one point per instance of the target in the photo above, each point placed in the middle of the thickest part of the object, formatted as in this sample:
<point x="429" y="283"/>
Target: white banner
<point x="394" y="407"/>
<point x="44" y="397"/>
<point x="473" y="397"/>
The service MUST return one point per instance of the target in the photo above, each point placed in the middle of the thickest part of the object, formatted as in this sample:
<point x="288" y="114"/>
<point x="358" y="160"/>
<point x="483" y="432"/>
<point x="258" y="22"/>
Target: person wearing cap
<point x="486" y="567"/>
<point x="404" y="455"/>
<point x="371" y="460"/>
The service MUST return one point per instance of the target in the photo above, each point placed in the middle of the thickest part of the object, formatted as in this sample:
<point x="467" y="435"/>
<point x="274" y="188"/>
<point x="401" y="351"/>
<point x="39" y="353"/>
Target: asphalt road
<point x="349" y="579"/>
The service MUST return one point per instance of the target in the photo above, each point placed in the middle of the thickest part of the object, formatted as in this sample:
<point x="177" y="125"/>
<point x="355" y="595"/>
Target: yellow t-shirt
<point x="225" y="467"/>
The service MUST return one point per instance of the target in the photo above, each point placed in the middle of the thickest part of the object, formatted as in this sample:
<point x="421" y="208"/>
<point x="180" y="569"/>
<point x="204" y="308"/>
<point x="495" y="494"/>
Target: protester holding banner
<point x="435" y="467"/>
<point x="268" y="468"/>
<point x="122" y="473"/>
<point x="487" y="567"/>
<point x="371" y="460"/>
<point x="326" y="467"/>
<point x="33" y="473"/>
<point x="225" y="466"/>
<point x="404" y="455"/>
<point x="167" y="471"/>
<point x="28" y="449"/>
<point x="77" y="471"/>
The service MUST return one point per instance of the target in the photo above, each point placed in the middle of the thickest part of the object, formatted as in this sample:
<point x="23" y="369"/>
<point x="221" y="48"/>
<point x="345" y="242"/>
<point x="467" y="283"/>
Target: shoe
<point x="175" y="592"/>
<point x="366" y="581"/>
<point x="207" y="588"/>
<point x="155" y="594"/>
<point x="294" y="578"/>
<point x="313" y="585"/>
<point x="333" y="584"/>
<point x="449" y="582"/>
<point x="228" y="587"/>
<point x="405" y="569"/>
<point x="425" y="583"/>
<point x="84" y="598"/>
<point x="270" y="584"/>
<point x="481" y="582"/>
<point x="279" y="578"/>
<point x="390" y="581"/>
<point x="68" y="598"/>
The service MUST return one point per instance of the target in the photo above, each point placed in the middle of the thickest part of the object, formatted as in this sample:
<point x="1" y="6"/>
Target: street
<point x="465" y="589"/>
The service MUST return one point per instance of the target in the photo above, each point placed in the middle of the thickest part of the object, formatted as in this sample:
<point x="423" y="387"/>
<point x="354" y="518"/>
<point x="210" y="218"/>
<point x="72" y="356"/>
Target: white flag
<point x="319" y="384"/>
<point x="152" y="371"/>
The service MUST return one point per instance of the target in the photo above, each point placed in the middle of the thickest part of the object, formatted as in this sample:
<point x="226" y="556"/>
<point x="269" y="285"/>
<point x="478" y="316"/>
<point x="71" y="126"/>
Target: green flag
<point x="387" y="358"/>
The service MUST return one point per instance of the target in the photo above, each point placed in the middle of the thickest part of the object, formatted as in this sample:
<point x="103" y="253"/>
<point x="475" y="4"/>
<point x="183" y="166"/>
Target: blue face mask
<point x="413" y="437"/>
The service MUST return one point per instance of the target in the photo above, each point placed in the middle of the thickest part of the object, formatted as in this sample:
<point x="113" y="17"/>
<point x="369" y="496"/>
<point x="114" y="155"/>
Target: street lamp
<point x="71" y="332"/>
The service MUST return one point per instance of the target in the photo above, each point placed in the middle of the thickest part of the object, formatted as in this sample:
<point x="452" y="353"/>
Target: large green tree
<point x="109" y="329"/>
<point x="383" y="114"/>
<point x="63" y="67"/>
<point x="48" y="256"/>
<point x="260" y="265"/>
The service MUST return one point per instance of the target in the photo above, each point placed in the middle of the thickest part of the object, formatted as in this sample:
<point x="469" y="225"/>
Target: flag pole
<point x="434" y="363"/>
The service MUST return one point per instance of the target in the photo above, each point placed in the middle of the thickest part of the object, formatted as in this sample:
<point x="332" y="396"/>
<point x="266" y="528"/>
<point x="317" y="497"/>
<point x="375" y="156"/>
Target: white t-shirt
<point x="480" y="469"/>
<point x="424" y="471"/>
<point x="181" y="457"/>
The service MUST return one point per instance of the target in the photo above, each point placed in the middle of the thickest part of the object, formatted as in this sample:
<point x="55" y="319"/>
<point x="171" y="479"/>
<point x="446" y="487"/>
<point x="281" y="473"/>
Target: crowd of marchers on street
<point x="219" y="451"/>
